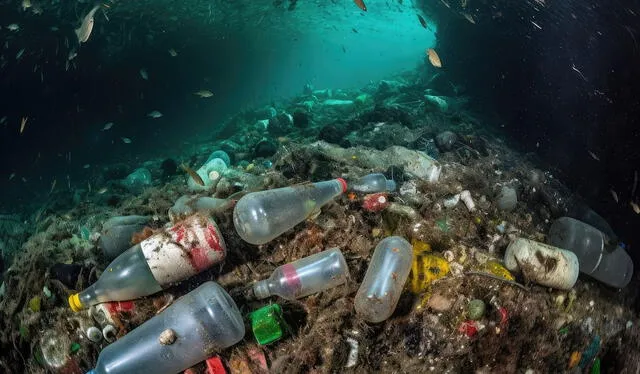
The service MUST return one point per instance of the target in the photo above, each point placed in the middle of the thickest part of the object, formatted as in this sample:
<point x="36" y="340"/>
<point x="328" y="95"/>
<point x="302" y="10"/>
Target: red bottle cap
<point x="343" y="183"/>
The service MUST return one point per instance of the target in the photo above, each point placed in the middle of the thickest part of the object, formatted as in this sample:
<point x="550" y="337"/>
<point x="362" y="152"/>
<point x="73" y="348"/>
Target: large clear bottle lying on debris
<point x="598" y="255"/>
<point x="179" y="252"/>
<point x="305" y="276"/>
<point x="388" y="270"/>
<point x="187" y="332"/>
<point x="372" y="183"/>
<point x="259" y="217"/>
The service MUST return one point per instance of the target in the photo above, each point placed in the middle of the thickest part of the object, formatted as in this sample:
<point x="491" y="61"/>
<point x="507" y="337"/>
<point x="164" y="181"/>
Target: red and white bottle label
<point x="186" y="249"/>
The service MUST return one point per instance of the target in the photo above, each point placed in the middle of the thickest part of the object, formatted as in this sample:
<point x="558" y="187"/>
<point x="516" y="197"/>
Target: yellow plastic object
<point x="425" y="269"/>
<point x="420" y="246"/>
<point x="34" y="304"/>
<point x="574" y="359"/>
<point x="74" y="303"/>
<point x="497" y="269"/>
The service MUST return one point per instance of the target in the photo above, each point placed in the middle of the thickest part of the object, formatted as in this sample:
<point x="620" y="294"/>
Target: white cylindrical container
<point x="543" y="264"/>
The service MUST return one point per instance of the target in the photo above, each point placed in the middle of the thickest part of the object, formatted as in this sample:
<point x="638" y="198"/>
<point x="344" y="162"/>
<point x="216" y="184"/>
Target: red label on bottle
<point x="120" y="306"/>
<point x="291" y="278"/>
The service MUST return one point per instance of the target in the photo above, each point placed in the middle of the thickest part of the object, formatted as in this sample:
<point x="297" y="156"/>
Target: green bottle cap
<point x="75" y="347"/>
<point x="266" y="323"/>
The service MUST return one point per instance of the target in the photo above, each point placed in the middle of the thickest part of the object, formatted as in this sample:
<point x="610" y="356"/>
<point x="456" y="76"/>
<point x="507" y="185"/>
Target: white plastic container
<point x="382" y="285"/>
<point x="599" y="257"/>
<point x="186" y="249"/>
<point x="305" y="276"/>
<point x="260" y="217"/>
<point x="543" y="264"/>
<point x="192" y="329"/>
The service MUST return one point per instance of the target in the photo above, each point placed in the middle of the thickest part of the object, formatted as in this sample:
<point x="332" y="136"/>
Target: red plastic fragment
<point x="469" y="328"/>
<point x="375" y="202"/>
<point x="215" y="366"/>
<point x="504" y="316"/>
<point x="189" y="371"/>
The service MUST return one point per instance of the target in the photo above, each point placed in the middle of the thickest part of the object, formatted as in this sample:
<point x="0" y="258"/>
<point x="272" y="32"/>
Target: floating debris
<point x="143" y="74"/>
<point x="422" y="21"/>
<point x="172" y="52"/>
<point x="23" y="124"/>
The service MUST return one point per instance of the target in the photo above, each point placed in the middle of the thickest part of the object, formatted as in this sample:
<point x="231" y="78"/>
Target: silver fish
<point x="84" y="31"/>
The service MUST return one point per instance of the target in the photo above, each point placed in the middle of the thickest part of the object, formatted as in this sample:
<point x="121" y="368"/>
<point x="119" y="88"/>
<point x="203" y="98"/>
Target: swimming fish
<point x="84" y="31"/>
<point x="192" y="173"/>
<point x="53" y="185"/>
<point x="126" y="140"/>
<point x="102" y="190"/>
<point x="154" y="114"/>
<point x="594" y="156"/>
<point x="173" y="52"/>
<point x="26" y="4"/>
<point x="614" y="195"/>
<point x="19" y="54"/>
<point x="360" y="4"/>
<point x="422" y="21"/>
<point x="203" y="93"/>
<point x="434" y="59"/>
<point x="13" y="27"/>
<point x="143" y="74"/>
<point x="635" y="207"/>
<point x="107" y="126"/>
<point x="23" y="123"/>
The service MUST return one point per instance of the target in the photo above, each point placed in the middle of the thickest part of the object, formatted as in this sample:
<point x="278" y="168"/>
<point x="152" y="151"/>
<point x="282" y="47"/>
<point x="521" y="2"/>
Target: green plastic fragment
<point x="85" y="233"/>
<point x="563" y="330"/>
<point x="442" y="225"/>
<point x="24" y="332"/>
<point x="35" y="304"/>
<point x="595" y="369"/>
<point x="75" y="347"/>
<point x="266" y="323"/>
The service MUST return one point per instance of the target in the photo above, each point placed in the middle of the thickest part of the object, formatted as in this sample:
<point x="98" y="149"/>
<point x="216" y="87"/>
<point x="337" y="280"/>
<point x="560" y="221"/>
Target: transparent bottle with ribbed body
<point x="190" y="330"/>
<point x="305" y="276"/>
<point x="260" y="217"/>
<point x="598" y="255"/>
<point x="382" y="285"/>
<point x="187" y="248"/>
<point x="372" y="183"/>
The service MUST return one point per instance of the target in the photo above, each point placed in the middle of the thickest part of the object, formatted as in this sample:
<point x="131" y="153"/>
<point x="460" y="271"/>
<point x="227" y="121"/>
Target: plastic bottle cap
<point x="75" y="303"/>
<point x="343" y="183"/>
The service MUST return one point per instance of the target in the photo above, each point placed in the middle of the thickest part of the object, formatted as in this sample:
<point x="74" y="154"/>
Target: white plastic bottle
<point x="194" y="327"/>
<point x="260" y="217"/>
<point x="382" y="286"/>
<point x="305" y="276"/>
<point x="372" y="183"/>
<point x="598" y="255"/>
<point x="189" y="247"/>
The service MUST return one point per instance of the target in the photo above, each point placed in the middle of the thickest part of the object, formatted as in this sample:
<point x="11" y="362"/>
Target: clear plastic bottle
<point x="372" y="183"/>
<point x="597" y="254"/>
<point x="186" y="249"/>
<point x="262" y="216"/>
<point x="195" y="326"/>
<point x="305" y="276"/>
<point x="388" y="270"/>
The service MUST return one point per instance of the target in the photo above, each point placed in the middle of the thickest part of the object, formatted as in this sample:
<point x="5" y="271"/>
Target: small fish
<point x="196" y="178"/>
<point x="84" y="31"/>
<point x="635" y="182"/>
<point x="354" y="30"/>
<point x="102" y="190"/>
<point x="126" y="140"/>
<point x="19" y="54"/>
<point x="635" y="207"/>
<point x="72" y="54"/>
<point x="203" y="93"/>
<point x="3" y="119"/>
<point x="360" y="4"/>
<point x="172" y="52"/>
<point x="53" y="185"/>
<point x="594" y="156"/>
<point x="614" y="195"/>
<point x="143" y="74"/>
<point x="422" y="21"/>
<point x="23" y="123"/>
<point x="12" y="176"/>
<point x="107" y="126"/>
<point x="26" y="4"/>
<point x="154" y="114"/>
<point x="86" y="166"/>
<point x="536" y="25"/>
<point x="13" y="27"/>
<point x="469" y="17"/>
<point x="434" y="59"/>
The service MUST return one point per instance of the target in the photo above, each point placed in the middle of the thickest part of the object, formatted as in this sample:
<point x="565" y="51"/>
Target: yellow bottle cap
<point x="74" y="302"/>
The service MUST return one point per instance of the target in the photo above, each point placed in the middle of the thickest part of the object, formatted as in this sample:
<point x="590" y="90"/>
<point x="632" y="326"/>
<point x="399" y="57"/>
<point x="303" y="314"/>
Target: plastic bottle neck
<point x="261" y="289"/>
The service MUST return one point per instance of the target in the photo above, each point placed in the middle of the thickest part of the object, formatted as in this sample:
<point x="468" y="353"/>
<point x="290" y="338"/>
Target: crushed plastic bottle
<point x="187" y="332"/>
<point x="388" y="270"/>
<point x="305" y="276"/>
<point x="598" y="256"/>
<point x="373" y="183"/>
<point x="186" y="249"/>
<point x="260" y="217"/>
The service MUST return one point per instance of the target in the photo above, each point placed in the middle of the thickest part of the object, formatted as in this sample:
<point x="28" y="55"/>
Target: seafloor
<point x="526" y="328"/>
